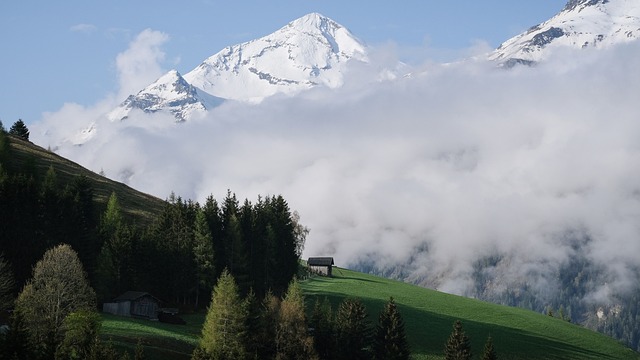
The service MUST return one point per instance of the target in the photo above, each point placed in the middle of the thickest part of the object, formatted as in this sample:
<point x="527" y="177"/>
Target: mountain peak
<point x="314" y="21"/>
<point x="580" y="24"/>
<point x="573" y="4"/>
<point x="309" y="51"/>
<point x="169" y="93"/>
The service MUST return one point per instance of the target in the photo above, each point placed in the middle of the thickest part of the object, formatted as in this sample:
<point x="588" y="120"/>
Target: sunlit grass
<point x="160" y="340"/>
<point x="429" y="317"/>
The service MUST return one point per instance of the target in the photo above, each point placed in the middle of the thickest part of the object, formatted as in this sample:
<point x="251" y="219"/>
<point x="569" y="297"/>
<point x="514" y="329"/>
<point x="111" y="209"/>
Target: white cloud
<point x="139" y="65"/>
<point x="83" y="28"/>
<point x="433" y="171"/>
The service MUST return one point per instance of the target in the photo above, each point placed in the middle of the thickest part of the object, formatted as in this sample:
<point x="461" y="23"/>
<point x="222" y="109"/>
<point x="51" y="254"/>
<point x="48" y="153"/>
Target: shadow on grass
<point x="428" y="332"/>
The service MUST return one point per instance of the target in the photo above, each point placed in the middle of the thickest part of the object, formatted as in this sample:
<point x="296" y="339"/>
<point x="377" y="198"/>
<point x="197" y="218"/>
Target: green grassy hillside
<point x="429" y="316"/>
<point x="138" y="206"/>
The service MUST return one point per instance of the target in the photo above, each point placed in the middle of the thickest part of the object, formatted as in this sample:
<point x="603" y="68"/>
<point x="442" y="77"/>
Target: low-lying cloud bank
<point x="423" y="175"/>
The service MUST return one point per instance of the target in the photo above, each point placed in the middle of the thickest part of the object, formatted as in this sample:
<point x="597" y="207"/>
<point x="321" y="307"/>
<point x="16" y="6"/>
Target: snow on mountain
<point x="309" y="51"/>
<point x="170" y="93"/>
<point x="581" y="24"/>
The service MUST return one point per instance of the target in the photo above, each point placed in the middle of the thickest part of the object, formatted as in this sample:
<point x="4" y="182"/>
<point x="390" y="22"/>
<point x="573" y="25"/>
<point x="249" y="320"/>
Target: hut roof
<point x="133" y="295"/>
<point x="320" y="261"/>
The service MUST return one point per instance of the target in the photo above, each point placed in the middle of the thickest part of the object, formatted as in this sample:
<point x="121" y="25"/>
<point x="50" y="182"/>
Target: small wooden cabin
<point x="134" y="304"/>
<point x="321" y="265"/>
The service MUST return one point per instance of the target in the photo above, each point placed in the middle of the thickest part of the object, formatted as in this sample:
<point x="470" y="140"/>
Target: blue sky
<point x="64" y="52"/>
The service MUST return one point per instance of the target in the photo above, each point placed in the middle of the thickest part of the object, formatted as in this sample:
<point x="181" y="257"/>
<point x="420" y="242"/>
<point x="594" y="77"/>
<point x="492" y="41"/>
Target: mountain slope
<point x="139" y="207"/>
<point x="429" y="316"/>
<point x="581" y="24"/>
<point x="309" y="51"/>
<point x="170" y="94"/>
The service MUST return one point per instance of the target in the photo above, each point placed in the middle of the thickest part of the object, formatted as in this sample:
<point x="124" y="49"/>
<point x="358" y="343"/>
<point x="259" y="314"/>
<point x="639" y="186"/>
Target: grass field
<point x="429" y="316"/>
<point x="161" y="341"/>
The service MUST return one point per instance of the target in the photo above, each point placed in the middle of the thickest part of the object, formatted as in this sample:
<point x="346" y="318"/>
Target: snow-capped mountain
<point x="309" y="51"/>
<point x="581" y="24"/>
<point x="171" y="94"/>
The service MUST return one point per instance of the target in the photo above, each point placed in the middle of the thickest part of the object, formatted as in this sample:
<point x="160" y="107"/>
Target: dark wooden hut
<point x="321" y="265"/>
<point x="134" y="304"/>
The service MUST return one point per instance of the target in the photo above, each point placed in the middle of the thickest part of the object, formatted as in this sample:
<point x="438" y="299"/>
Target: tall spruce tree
<point x="7" y="285"/>
<point x="20" y="130"/>
<point x="203" y="255"/>
<point x="458" y="346"/>
<point x="323" y="326"/>
<point x="224" y="330"/>
<point x="390" y="340"/>
<point x="353" y="331"/>
<point x="489" y="352"/>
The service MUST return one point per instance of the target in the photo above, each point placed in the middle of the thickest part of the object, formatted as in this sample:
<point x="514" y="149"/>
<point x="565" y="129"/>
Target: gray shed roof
<point x="320" y="261"/>
<point x="133" y="295"/>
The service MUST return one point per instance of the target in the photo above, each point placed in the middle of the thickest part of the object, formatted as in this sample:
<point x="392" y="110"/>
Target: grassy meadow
<point x="429" y="316"/>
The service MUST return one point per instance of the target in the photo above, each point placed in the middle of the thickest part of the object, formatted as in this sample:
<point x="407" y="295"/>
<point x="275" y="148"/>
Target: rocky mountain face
<point x="310" y="51"/>
<point x="581" y="24"/>
<point x="171" y="94"/>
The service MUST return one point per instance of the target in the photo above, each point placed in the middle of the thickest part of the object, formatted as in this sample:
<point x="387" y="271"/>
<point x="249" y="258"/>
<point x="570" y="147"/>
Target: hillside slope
<point x="429" y="316"/>
<point x="140" y="207"/>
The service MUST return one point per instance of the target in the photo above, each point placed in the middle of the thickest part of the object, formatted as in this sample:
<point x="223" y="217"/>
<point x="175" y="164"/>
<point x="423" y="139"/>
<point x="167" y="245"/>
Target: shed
<point x="134" y="304"/>
<point x="320" y="265"/>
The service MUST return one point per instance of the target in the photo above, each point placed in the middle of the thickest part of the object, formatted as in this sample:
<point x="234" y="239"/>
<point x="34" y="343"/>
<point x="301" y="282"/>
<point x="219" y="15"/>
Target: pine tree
<point x="323" y="329"/>
<point x="7" y="285"/>
<point x="390" y="340"/>
<point x="224" y="328"/>
<point x="203" y="255"/>
<point x="458" y="346"/>
<point x="20" y="130"/>
<point x="15" y="343"/>
<point x="292" y="340"/>
<point x="489" y="352"/>
<point x="353" y="331"/>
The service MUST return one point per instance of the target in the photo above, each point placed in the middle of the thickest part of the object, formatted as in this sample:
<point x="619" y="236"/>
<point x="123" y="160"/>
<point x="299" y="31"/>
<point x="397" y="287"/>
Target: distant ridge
<point x="580" y="24"/>
<point x="310" y="51"/>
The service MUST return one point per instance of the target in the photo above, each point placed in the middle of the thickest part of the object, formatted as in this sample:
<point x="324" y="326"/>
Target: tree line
<point x="177" y="257"/>
<point x="280" y="328"/>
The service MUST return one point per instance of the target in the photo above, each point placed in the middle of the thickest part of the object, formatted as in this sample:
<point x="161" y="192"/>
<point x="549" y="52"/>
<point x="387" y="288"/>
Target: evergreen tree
<point x="213" y="214"/>
<point x="7" y="284"/>
<point x="458" y="346"/>
<point x="2" y="129"/>
<point x="224" y="328"/>
<point x="292" y="340"/>
<point x="353" y="330"/>
<point x="269" y="320"/>
<point x="489" y="352"/>
<point x="323" y="329"/>
<point x="390" y="340"/>
<point x="4" y="149"/>
<point x="59" y="287"/>
<point x="20" y="130"/>
<point x="15" y="343"/>
<point x="253" y="326"/>
<point x="203" y="255"/>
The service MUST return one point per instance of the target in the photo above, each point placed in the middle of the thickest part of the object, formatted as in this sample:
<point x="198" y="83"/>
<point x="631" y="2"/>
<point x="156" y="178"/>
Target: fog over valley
<point x="513" y="185"/>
